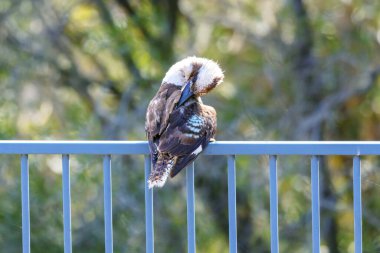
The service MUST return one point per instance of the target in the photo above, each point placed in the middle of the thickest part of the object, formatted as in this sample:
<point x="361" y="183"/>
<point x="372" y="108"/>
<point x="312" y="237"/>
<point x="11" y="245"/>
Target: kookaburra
<point x="178" y="125"/>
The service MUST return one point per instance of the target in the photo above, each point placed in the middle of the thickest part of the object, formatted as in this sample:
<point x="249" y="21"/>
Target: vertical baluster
<point x="273" y="203"/>
<point x="357" y="205"/>
<point x="232" y="204"/>
<point x="148" y="210"/>
<point x="25" y="204"/>
<point x="315" y="204"/>
<point x="107" y="203"/>
<point x="191" y="245"/>
<point x="66" y="198"/>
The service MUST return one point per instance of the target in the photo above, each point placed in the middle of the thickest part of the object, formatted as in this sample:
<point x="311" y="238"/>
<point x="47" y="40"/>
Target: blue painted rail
<point x="230" y="149"/>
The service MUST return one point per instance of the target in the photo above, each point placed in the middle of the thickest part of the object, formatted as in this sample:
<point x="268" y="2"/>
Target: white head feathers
<point x="208" y="73"/>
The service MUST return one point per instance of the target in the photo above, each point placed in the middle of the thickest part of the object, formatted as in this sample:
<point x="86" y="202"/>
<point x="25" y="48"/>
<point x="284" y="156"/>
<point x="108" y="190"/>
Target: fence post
<point x="25" y="204"/>
<point x="315" y="204"/>
<point x="357" y="205"/>
<point x="273" y="203"/>
<point x="191" y="243"/>
<point x="148" y="210"/>
<point x="232" y="204"/>
<point x="66" y="199"/>
<point x="107" y="203"/>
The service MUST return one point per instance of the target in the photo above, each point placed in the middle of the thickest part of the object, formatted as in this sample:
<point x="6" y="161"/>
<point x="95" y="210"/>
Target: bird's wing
<point x="157" y="115"/>
<point x="160" y="108"/>
<point x="188" y="133"/>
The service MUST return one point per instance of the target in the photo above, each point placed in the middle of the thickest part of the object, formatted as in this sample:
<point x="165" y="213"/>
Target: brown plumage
<point x="178" y="125"/>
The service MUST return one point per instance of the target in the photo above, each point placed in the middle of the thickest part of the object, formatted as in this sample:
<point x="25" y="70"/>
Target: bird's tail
<point x="160" y="171"/>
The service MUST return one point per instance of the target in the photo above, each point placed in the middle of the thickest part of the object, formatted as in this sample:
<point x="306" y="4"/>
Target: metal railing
<point x="229" y="149"/>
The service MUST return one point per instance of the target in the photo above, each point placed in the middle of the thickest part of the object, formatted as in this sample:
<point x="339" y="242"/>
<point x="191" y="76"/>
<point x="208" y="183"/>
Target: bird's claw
<point x="212" y="140"/>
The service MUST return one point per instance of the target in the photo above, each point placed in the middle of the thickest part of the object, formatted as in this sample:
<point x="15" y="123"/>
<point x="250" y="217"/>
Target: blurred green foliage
<point x="295" y="70"/>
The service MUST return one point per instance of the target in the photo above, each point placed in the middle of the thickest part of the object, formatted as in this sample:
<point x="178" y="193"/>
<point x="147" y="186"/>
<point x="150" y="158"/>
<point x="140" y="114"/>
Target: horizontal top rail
<point x="215" y="148"/>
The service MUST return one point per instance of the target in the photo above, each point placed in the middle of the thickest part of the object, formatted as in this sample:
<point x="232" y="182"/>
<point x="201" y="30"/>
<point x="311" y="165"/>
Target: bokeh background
<point x="295" y="70"/>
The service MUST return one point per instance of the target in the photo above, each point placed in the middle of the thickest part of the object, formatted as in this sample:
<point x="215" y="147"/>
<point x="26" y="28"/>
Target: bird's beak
<point x="185" y="94"/>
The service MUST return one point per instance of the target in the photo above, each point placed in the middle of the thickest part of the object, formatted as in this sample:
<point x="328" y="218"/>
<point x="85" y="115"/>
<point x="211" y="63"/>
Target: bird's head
<point x="196" y="77"/>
